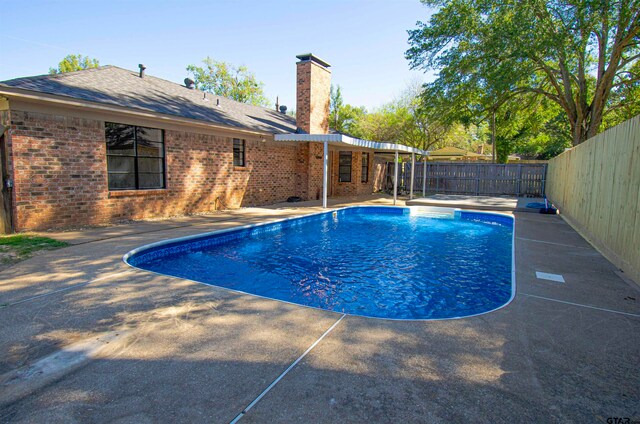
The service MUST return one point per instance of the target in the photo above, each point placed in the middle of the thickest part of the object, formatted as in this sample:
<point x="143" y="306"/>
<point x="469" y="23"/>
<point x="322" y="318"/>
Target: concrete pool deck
<point x="86" y="338"/>
<point x="490" y="203"/>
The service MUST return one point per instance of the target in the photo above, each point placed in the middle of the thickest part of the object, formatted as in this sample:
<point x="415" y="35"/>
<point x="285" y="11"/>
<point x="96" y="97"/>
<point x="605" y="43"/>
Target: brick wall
<point x="302" y="170"/>
<point x="315" y="172"/>
<point x="60" y="174"/>
<point x="356" y="187"/>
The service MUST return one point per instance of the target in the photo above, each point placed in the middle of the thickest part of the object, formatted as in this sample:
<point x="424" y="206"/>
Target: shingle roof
<point x="116" y="86"/>
<point x="448" y="151"/>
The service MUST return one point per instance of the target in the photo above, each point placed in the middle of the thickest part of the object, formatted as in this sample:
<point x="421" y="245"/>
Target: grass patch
<point x="18" y="247"/>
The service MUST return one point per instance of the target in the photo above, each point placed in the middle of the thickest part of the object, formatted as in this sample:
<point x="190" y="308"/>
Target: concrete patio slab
<point x="187" y="352"/>
<point x="493" y="203"/>
<point x="526" y="363"/>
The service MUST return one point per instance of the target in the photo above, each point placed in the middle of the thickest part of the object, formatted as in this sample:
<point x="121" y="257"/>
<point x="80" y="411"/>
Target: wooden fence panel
<point x="596" y="186"/>
<point x="472" y="178"/>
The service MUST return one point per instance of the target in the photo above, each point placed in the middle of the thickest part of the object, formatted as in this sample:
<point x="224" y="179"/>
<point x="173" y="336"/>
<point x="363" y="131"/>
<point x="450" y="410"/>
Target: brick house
<point x="106" y="144"/>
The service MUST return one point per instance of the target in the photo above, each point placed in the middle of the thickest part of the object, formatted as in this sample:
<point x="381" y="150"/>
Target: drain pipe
<point x="395" y="180"/>
<point x="424" y="177"/>
<point x="413" y="169"/>
<point x="325" y="172"/>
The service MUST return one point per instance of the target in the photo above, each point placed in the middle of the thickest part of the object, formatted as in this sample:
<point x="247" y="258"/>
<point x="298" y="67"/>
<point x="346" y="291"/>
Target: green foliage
<point x="343" y="116"/>
<point x="74" y="62"/>
<point x="543" y="131"/>
<point x="16" y="247"/>
<point x="336" y="103"/>
<point x="226" y="80"/>
<point x="624" y="101"/>
<point x="578" y="54"/>
<point x="387" y="123"/>
<point x="403" y="121"/>
<point x="533" y="128"/>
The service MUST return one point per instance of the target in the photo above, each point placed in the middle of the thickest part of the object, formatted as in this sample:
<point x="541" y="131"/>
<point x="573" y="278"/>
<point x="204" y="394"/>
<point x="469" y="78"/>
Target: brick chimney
<point x="312" y="92"/>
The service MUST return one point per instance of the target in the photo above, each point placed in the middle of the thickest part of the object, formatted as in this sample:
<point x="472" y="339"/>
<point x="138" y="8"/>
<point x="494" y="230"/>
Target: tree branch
<point x="628" y="60"/>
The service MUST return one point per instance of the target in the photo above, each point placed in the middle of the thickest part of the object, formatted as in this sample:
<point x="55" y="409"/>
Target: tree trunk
<point x="579" y="132"/>
<point x="493" y="135"/>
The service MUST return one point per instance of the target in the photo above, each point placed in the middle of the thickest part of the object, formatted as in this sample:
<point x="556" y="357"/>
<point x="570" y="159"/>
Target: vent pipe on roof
<point x="218" y="102"/>
<point x="283" y="109"/>
<point x="277" y="103"/>
<point x="142" y="68"/>
<point x="189" y="83"/>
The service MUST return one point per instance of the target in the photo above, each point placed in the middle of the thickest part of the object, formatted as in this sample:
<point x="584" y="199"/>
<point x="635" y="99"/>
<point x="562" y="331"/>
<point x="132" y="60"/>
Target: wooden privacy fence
<point x="596" y="187"/>
<point x="479" y="179"/>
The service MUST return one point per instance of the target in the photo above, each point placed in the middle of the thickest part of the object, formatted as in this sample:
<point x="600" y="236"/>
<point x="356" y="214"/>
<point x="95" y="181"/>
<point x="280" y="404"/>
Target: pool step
<point x="433" y="212"/>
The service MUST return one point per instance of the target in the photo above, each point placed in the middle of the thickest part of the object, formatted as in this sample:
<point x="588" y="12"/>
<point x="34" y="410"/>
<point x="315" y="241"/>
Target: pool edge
<point x="132" y="252"/>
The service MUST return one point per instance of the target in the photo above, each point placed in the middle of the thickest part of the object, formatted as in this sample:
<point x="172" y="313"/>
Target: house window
<point x="238" y="152"/>
<point x="344" y="168"/>
<point x="135" y="157"/>
<point x="365" y="168"/>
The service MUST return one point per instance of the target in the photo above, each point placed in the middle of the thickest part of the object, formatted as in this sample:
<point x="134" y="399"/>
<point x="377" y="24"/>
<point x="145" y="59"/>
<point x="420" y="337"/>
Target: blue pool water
<point x="380" y="262"/>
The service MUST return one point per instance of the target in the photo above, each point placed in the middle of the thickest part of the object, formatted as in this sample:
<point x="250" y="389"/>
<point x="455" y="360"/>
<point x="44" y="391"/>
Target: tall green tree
<point x="573" y="52"/>
<point x="401" y="122"/>
<point x="625" y="100"/>
<point x="336" y="103"/>
<point x="74" y="62"/>
<point x="424" y="126"/>
<point x="227" y="80"/>
<point x="342" y="117"/>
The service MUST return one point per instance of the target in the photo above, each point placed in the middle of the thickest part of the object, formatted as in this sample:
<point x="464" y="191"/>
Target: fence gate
<point x="479" y="179"/>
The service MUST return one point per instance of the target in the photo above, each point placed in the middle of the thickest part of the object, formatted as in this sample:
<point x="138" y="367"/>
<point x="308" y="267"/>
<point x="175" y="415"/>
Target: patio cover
<point x="345" y="140"/>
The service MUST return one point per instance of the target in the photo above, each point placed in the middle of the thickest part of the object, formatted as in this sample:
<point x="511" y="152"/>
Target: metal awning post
<point x="424" y="177"/>
<point x="395" y="179"/>
<point x="413" y="172"/>
<point x="325" y="174"/>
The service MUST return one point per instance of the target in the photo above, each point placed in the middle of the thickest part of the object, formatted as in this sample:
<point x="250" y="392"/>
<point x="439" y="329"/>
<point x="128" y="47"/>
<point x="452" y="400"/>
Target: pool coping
<point x="148" y="246"/>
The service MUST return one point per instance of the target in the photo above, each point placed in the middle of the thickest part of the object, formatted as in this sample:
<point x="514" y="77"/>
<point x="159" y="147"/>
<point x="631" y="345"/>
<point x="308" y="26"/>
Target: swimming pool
<point x="382" y="262"/>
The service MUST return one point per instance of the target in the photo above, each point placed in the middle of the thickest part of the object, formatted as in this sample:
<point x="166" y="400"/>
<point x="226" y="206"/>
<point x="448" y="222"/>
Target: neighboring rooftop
<point x="111" y="85"/>
<point x="453" y="152"/>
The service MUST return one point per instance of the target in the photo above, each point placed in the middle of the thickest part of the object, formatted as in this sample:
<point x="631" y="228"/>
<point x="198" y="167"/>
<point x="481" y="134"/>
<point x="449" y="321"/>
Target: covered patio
<point x="338" y="142"/>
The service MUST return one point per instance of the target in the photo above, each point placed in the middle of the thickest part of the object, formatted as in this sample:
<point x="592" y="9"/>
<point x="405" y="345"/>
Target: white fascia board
<point x="350" y="141"/>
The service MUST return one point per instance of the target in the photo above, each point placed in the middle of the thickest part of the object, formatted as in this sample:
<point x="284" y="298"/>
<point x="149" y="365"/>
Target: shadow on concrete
<point x="196" y="353"/>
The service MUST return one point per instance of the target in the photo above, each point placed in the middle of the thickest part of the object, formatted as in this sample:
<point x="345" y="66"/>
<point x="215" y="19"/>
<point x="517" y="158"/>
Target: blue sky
<point x="364" y="40"/>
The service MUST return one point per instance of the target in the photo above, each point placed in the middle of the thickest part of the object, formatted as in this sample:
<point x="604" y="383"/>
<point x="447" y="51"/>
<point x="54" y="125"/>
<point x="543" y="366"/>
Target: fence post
<point x="477" y="179"/>
<point x="424" y="178"/>
<point x="544" y="179"/>
<point x="413" y="174"/>
<point x="519" y="179"/>
<point x="395" y="179"/>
